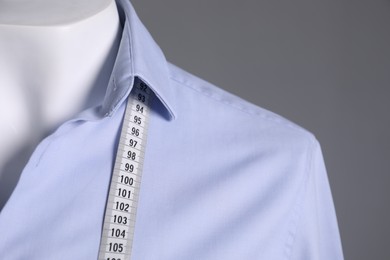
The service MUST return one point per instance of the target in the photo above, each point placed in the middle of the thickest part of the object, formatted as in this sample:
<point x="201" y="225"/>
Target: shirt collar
<point x="138" y="56"/>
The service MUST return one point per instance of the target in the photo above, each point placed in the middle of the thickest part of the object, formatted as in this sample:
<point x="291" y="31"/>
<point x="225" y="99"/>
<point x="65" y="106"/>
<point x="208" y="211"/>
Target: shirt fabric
<point x="222" y="178"/>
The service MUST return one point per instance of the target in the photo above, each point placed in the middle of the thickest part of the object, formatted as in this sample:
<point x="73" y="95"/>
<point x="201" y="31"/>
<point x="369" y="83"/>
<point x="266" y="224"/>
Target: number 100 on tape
<point x="121" y="208"/>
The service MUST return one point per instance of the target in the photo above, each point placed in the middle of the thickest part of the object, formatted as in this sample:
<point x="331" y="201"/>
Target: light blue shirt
<point x="222" y="178"/>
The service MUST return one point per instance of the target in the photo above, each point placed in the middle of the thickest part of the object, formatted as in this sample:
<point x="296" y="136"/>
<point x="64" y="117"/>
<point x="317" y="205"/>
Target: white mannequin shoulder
<point x="48" y="69"/>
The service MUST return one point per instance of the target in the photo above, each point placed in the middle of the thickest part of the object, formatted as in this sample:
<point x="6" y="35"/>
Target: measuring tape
<point x="121" y="209"/>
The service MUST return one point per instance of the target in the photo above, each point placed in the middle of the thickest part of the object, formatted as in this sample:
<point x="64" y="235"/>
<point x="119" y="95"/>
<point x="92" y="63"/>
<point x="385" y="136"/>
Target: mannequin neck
<point x="57" y="61"/>
<point x="54" y="55"/>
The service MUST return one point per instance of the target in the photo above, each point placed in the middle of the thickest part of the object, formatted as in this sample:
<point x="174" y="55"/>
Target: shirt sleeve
<point x="317" y="234"/>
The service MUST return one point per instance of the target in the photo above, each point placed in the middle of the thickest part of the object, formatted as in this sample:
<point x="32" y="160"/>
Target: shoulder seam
<point x="276" y="118"/>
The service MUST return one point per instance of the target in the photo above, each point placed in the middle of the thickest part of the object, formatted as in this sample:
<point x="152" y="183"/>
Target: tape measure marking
<point x="121" y="208"/>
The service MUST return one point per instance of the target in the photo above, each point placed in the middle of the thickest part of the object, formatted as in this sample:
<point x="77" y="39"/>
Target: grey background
<point x="322" y="64"/>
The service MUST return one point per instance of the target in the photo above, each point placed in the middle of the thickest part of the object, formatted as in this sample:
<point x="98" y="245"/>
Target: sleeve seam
<point x="298" y="207"/>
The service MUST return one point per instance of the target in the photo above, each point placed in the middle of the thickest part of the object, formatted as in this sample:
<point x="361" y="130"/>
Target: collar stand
<point x="138" y="56"/>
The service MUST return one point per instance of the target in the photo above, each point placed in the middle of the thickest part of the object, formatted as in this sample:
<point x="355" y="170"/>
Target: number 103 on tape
<point x="121" y="208"/>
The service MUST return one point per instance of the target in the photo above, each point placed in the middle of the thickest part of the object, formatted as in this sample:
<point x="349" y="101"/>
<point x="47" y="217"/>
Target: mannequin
<point x="55" y="55"/>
